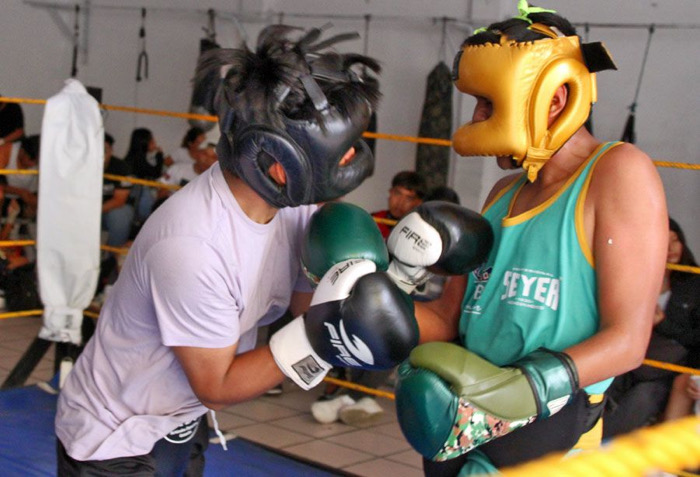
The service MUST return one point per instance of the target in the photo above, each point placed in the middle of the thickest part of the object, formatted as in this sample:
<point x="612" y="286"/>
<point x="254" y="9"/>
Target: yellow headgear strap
<point x="520" y="80"/>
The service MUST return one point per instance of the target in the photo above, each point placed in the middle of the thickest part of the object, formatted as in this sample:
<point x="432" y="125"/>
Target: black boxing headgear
<point x="297" y="104"/>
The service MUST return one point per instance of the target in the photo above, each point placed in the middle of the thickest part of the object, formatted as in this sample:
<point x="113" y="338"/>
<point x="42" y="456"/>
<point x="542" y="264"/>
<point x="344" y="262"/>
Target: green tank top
<point x="538" y="286"/>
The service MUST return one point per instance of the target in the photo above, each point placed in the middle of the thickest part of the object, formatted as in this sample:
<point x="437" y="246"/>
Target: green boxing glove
<point x="339" y="231"/>
<point x="449" y="400"/>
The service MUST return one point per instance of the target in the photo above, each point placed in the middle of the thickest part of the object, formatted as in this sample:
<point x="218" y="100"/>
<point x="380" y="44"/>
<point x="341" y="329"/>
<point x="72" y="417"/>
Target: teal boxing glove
<point x="449" y="400"/>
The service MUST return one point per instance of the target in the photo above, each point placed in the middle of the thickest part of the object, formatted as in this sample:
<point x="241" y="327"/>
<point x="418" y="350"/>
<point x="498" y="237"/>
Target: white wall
<point x="36" y="58"/>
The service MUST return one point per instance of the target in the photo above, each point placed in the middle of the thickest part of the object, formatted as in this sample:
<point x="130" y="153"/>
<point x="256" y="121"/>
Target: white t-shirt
<point x="181" y="156"/>
<point x="179" y="174"/>
<point x="200" y="273"/>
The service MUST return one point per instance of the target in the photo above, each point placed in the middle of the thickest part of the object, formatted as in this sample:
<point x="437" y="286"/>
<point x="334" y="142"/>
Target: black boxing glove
<point x="358" y="318"/>
<point x="437" y="237"/>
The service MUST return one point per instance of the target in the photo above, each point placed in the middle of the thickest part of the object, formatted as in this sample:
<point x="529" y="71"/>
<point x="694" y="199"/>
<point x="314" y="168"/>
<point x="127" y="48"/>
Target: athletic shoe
<point x="326" y="412"/>
<point x="276" y="391"/>
<point x="364" y="411"/>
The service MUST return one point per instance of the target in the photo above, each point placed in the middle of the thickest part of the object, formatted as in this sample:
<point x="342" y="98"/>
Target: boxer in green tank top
<point x="565" y="300"/>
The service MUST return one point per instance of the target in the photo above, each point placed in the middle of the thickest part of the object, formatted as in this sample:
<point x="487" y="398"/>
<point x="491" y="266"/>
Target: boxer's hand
<point x="437" y="237"/>
<point x="449" y="400"/>
<point x="358" y="318"/>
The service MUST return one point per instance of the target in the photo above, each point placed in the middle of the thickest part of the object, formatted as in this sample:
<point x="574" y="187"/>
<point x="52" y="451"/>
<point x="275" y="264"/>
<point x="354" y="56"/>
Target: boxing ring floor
<point x="28" y="444"/>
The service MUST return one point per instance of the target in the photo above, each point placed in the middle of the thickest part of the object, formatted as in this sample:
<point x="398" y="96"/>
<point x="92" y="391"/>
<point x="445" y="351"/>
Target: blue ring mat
<point x="28" y="444"/>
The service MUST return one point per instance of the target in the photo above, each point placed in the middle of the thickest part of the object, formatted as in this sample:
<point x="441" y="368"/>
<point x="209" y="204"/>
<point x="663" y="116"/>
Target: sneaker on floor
<point x="276" y="391"/>
<point x="327" y="411"/>
<point x="364" y="411"/>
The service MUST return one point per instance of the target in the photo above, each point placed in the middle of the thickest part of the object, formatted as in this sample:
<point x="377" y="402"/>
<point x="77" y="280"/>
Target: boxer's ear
<point x="276" y="171"/>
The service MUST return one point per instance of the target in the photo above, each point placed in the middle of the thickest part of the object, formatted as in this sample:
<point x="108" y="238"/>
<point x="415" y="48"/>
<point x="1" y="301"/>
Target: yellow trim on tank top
<point x="509" y="221"/>
<point x="578" y="214"/>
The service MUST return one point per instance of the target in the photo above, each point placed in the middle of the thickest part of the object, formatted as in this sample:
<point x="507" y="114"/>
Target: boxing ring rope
<point x="389" y="137"/>
<point x="670" y="446"/>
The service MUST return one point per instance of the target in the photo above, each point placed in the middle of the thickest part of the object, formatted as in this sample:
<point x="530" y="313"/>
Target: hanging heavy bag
<point x="629" y="134"/>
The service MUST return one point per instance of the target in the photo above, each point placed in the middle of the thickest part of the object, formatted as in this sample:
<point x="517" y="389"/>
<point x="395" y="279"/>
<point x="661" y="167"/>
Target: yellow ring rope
<point x="683" y="268"/>
<point x="358" y="387"/>
<point x="26" y="172"/>
<point x="671" y="447"/>
<point x="677" y="165"/>
<point x="671" y="367"/>
<point x="134" y="180"/>
<point x="390" y="137"/>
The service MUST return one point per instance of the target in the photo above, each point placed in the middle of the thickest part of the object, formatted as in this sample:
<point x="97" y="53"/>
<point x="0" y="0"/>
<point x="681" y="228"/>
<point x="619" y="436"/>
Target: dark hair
<point x="109" y="139"/>
<point x="412" y="181"/>
<point x="443" y="193"/>
<point x="517" y="29"/>
<point x="30" y="145"/>
<point x="687" y="257"/>
<point x="138" y="144"/>
<point x="191" y="134"/>
<point x="265" y="86"/>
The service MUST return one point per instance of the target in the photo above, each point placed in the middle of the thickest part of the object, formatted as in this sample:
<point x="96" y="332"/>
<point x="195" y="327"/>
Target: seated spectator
<point x="11" y="129"/>
<point x="23" y="187"/>
<point x="407" y="191"/>
<point x="18" y="280"/>
<point x="685" y="392"/>
<point x="179" y="174"/>
<point x="13" y="257"/>
<point x="639" y="397"/>
<point x="189" y="148"/>
<point x="117" y="213"/>
<point x="145" y="158"/>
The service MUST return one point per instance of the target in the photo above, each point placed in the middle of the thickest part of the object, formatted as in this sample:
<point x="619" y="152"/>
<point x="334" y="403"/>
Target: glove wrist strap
<point x="406" y="277"/>
<point x="296" y="358"/>
<point x="553" y="378"/>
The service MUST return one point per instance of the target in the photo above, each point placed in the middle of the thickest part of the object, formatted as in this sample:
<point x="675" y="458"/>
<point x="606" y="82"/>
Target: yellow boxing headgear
<point x="520" y="80"/>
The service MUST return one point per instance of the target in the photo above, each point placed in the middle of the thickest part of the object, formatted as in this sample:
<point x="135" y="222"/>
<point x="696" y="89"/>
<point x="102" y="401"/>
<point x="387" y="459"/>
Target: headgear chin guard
<point x="520" y="79"/>
<point x="292" y="103"/>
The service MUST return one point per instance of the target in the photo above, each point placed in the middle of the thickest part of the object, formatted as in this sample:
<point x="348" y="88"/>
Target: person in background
<point x="145" y="158"/>
<point x="23" y="187"/>
<point x="117" y="217"/>
<point x="181" y="173"/>
<point x="117" y="213"/>
<point x="189" y="149"/>
<point x="407" y="191"/>
<point x="11" y="126"/>
<point x="682" y="320"/>
<point x="638" y="398"/>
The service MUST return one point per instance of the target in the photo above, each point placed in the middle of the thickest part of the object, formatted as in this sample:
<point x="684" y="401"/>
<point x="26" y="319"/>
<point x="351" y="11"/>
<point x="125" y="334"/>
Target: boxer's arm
<point x="300" y="303"/>
<point x="626" y="223"/>
<point x="438" y="320"/>
<point x="219" y="378"/>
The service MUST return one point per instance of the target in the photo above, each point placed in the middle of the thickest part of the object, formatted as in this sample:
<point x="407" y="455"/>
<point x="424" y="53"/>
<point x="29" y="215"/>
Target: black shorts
<point x="559" y="433"/>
